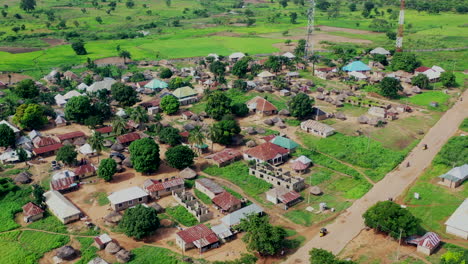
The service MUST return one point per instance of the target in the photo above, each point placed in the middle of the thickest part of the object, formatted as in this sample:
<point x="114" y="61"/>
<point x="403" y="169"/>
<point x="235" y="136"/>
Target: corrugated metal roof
<point x="226" y="201"/>
<point x="126" y="195"/>
<point x="234" y="218"/>
<point x="60" y="205"/>
<point x="266" y="151"/>
<point x="200" y="235"/>
<point x="459" y="218"/>
<point x="210" y="185"/>
<point x="159" y="186"/>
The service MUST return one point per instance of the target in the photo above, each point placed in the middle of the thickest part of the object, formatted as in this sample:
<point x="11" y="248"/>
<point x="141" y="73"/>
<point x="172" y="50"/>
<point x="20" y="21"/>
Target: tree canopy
<point x="28" y="5"/>
<point x="389" y="87"/>
<point x="404" y="61"/>
<point x="67" y="154"/>
<point x="240" y="109"/>
<point x="26" y="89"/>
<point x="124" y="94"/>
<point x="139" y="221"/>
<point x="218" y="69"/>
<point x="79" y="47"/>
<point x="78" y="108"/>
<point x="7" y="136"/>
<point x="391" y="218"/>
<point x="170" y="135"/>
<point x="107" y="169"/>
<point x="145" y="155"/>
<point x="322" y="256"/>
<point x="241" y="67"/>
<point x="448" y="79"/>
<point x="218" y="105"/>
<point x="178" y="82"/>
<point x="224" y="130"/>
<point x="169" y="104"/>
<point x="30" y="116"/>
<point x="180" y="157"/>
<point x="261" y="236"/>
<point x="301" y="106"/>
<point x="420" y="81"/>
<point x="165" y="73"/>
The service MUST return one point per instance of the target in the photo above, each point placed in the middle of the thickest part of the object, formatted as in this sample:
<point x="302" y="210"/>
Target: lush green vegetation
<point x="11" y="204"/>
<point x="464" y="125"/>
<point x="88" y="250"/>
<point x="28" y="246"/>
<point x="49" y="223"/>
<point x="181" y="215"/>
<point x="203" y="197"/>
<point x="424" y="99"/>
<point x="150" y="255"/>
<point x="454" y="152"/>
<point x="359" y="151"/>
<point x="238" y="173"/>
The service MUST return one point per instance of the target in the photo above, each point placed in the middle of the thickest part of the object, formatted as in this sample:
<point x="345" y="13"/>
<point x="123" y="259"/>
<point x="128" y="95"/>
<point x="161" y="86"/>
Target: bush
<point x="139" y="221"/>
<point x="166" y="73"/>
<point x="180" y="157"/>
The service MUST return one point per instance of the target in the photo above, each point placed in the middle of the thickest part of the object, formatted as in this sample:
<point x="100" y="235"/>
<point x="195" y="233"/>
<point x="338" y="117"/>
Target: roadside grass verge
<point x="424" y="99"/>
<point x="464" y="125"/>
<point x="181" y="215"/>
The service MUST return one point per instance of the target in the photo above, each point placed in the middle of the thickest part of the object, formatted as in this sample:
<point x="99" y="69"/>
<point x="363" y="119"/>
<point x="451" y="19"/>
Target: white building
<point x="123" y="199"/>
<point x="317" y="128"/>
<point x="457" y="224"/>
<point x="61" y="207"/>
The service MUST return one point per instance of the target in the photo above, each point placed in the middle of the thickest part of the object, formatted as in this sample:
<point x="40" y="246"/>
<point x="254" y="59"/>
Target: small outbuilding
<point x="32" y="212"/>
<point x="457" y="224"/>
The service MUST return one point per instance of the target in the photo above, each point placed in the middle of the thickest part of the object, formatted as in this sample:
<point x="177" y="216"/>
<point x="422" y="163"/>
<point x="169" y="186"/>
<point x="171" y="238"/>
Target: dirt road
<point x="350" y="223"/>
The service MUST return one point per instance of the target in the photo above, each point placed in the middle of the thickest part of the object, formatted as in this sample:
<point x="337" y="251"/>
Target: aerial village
<point x="106" y="146"/>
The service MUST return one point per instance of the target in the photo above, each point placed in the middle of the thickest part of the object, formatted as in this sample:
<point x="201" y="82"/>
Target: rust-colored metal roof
<point x="198" y="232"/>
<point x="289" y="197"/>
<point x="84" y="169"/>
<point x="159" y="186"/>
<point x="130" y="137"/>
<point x="70" y="135"/>
<point x="225" y="200"/>
<point x="31" y="209"/>
<point x="46" y="149"/>
<point x="266" y="151"/>
<point x="261" y="104"/>
<point x="63" y="184"/>
<point x="44" y="141"/>
<point x="226" y="154"/>
<point x="104" y="130"/>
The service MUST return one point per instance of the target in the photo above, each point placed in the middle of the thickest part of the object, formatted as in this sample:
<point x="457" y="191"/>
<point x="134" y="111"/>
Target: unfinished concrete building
<point x="195" y="207"/>
<point x="277" y="177"/>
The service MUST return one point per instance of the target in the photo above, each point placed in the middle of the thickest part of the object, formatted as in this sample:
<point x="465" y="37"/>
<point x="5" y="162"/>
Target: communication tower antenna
<point x="309" y="47"/>
<point x="401" y="23"/>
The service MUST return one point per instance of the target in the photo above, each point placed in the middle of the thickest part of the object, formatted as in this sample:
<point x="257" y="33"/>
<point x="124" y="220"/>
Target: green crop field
<point x="149" y="255"/>
<point x="182" y="216"/>
<point x="11" y="204"/>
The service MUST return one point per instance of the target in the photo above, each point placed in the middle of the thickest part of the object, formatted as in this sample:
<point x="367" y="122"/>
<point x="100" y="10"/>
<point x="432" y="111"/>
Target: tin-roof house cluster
<point x="194" y="206"/>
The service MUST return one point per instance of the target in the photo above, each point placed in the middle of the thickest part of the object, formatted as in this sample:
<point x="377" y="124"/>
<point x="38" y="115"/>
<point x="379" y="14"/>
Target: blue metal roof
<point x="356" y="66"/>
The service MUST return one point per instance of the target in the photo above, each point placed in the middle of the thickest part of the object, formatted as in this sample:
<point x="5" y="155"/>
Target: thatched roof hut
<point x="67" y="142"/>
<point x="113" y="218"/>
<point x="320" y="96"/>
<point x="194" y="117"/>
<point x="416" y="90"/>
<point x="260" y="130"/>
<point x="268" y="122"/>
<point x="363" y="119"/>
<point x="117" y="147"/>
<point x="250" y="131"/>
<point x="338" y="103"/>
<point x="127" y="162"/>
<point x="123" y="256"/>
<point x="79" y="141"/>
<point x="107" y="143"/>
<point x="159" y="209"/>
<point x="340" y="115"/>
<point x="187" y="173"/>
<point x="66" y="253"/>
<point x="329" y="100"/>
<point x="284" y="112"/>
<point x="189" y="127"/>
<point x="267" y="88"/>
<point x="320" y="89"/>
<point x="281" y="124"/>
<point x="112" y="247"/>
<point x="259" y="89"/>
<point x="341" y="97"/>
<point x="23" y="178"/>
<point x="315" y="190"/>
<point x="203" y="114"/>
<point x="276" y="119"/>
<point x="251" y="144"/>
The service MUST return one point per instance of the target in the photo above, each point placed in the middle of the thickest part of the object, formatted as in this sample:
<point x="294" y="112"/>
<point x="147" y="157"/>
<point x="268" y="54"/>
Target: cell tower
<point x="309" y="46"/>
<point x="401" y="24"/>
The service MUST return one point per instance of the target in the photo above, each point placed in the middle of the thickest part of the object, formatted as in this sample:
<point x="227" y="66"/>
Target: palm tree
<point x="125" y="55"/>
<point x="96" y="141"/>
<point x="139" y="115"/>
<point x="211" y="134"/>
<point x="314" y="59"/>
<point x="196" y="137"/>
<point x="119" y="126"/>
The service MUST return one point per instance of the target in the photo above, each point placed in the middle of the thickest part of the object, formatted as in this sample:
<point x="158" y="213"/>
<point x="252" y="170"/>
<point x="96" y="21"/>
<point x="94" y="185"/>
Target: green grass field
<point x="149" y="255"/>
<point x="424" y="99"/>
<point x="464" y="125"/>
<point x="11" y="204"/>
<point x="238" y="173"/>
<point x="181" y="215"/>
<point x="203" y="197"/>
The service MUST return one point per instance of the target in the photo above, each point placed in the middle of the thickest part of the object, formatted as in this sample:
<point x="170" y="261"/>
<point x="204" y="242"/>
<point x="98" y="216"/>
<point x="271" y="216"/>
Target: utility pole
<point x="309" y="47"/>
<point x="401" y="24"/>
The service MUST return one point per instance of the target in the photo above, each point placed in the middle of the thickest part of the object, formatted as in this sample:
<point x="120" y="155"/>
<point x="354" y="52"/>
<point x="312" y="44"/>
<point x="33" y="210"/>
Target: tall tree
<point x="421" y="81"/>
<point x="404" y="61"/>
<point x="224" y="130"/>
<point x="124" y="94"/>
<point x="169" y="104"/>
<point x="241" y="67"/>
<point x="67" y="154"/>
<point x="389" y="87"/>
<point x="26" y="89"/>
<point x="125" y="54"/>
<point x="119" y="126"/>
<point x="139" y="221"/>
<point x="38" y="195"/>
<point x="107" y="169"/>
<point x="301" y="106"/>
<point x="96" y="141"/>
<point x="180" y="157"/>
<point x="299" y="50"/>
<point x="7" y="136"/>
<point x="28" y="5"/>
<point x="391" y="218"/>
<point x="314" y="58"/>
<point x="139" y="115"/>
<point x="170" y="135"/>
<point x="218" y="69"/>
<point x="79" y="47"/>
<point x="30" y="116"/>
<point x="448" y="79"/>
<point x="145" y="155"/>
<point x="196" y="136"/>
<point x="78" y="108"/>
<point x="218" y="105"/>
<point x="261" y="236"/>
